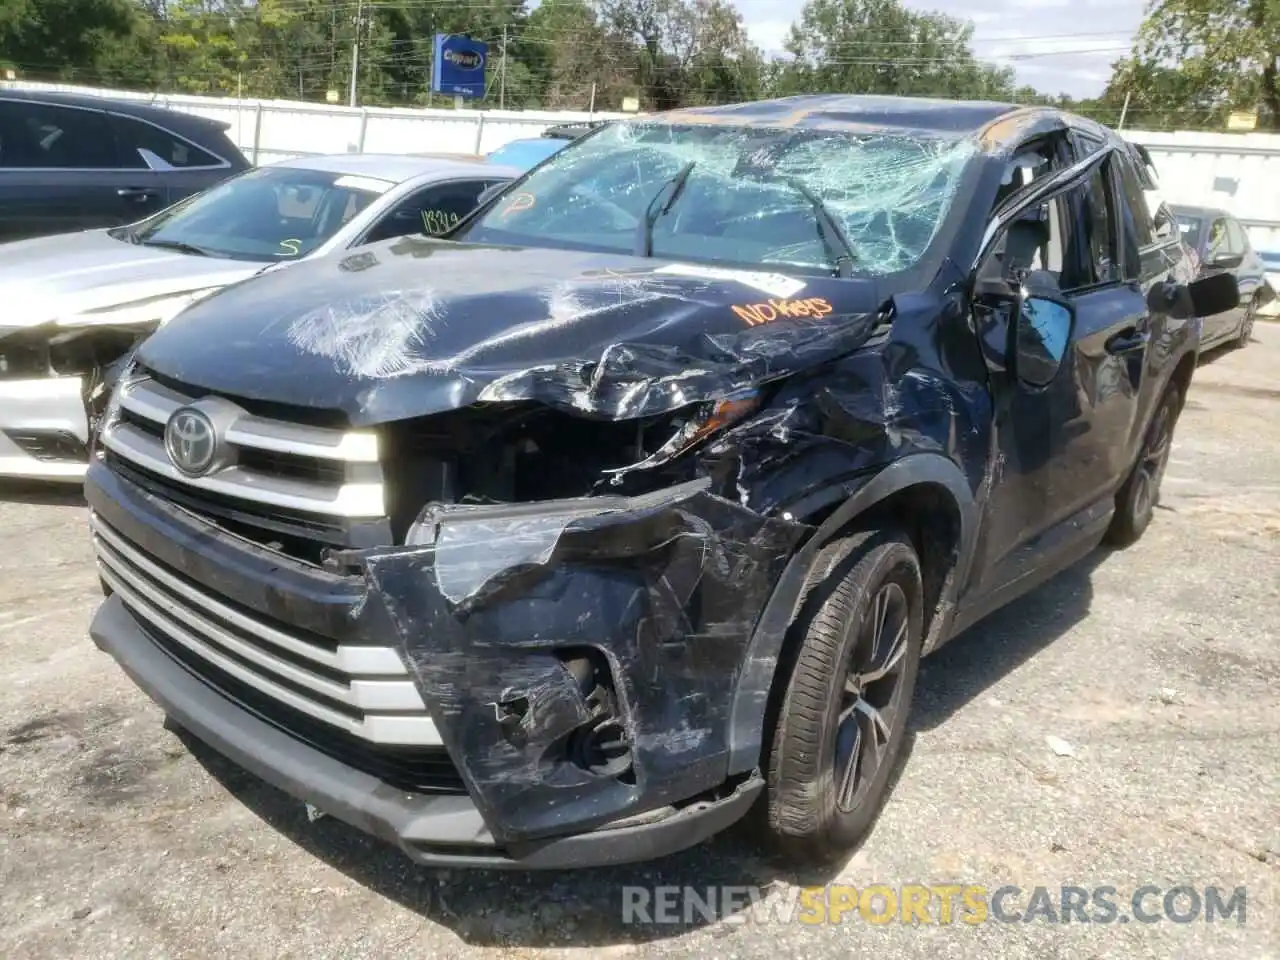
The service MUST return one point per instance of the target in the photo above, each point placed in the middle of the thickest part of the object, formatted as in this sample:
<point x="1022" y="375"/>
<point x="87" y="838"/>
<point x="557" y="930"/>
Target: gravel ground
<point x="1158" y="666"/>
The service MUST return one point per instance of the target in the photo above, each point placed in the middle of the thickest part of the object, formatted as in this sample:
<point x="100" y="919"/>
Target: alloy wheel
<point x="872" y="698"/>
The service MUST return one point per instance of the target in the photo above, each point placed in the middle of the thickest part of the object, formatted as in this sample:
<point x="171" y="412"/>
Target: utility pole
<point x="1124" y="111"/>
<point x="355" y="50"/>
<point x="502" y="89"/>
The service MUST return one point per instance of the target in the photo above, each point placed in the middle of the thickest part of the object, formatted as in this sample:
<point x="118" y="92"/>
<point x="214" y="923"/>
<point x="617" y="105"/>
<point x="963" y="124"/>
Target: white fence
<point x="1236" y="172"/>
<point x="271" y="130"/>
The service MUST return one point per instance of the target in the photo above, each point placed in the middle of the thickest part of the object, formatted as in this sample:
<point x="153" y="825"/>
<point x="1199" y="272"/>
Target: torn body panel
<point x="671" y="587"/>
<point x="606" y="336"/>
<point x="658" y="593"/>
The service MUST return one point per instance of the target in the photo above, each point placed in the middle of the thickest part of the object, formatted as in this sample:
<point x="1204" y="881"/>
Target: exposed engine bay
<point x="526" y="452"/>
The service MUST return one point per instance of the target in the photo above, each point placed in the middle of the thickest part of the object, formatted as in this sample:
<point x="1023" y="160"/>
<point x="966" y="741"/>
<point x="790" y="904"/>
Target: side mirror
<point x="1216" y="294"/>
<point x="1040" y="339"/>
<point x="1226" y="261"/>
<point x="1205" y="297"/>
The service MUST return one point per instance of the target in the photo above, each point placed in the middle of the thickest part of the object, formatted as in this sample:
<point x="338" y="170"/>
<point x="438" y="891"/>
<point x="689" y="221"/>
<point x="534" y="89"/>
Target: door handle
<point x="1128" y="340"/>
<point x="137" y="193"/>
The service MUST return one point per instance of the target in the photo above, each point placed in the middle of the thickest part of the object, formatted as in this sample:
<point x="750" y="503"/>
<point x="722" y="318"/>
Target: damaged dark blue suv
<point x="635" y="503"/>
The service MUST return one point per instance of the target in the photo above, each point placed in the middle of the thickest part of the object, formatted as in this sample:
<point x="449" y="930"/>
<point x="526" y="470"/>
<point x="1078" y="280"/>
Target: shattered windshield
<point x="267" y="214"/>
<point x="753" y="196"/>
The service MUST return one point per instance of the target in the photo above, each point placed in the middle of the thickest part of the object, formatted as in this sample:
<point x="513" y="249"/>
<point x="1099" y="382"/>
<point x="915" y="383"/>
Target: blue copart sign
<point x="458" y="65"/>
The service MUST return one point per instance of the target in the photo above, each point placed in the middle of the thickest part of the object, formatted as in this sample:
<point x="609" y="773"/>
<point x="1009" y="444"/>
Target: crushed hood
<point x="416" y="326"/>
<point x="53" y="277"/>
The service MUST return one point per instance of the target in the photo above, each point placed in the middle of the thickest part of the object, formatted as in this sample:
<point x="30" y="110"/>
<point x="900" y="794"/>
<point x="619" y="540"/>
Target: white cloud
<point x="1056" y="46"/>
<point x="768" y="34"/>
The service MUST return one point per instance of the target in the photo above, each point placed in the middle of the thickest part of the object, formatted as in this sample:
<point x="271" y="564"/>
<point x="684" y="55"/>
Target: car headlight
<point x="707" y="419"/>
<point x="156" y="310"/>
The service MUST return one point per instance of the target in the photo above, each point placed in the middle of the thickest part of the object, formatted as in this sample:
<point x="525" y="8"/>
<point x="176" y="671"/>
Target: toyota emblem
<point x="190" y="441"/>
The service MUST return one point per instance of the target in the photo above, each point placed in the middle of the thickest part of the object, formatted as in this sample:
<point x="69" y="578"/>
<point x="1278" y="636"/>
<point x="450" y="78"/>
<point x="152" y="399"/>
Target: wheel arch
<point x="919" y="479"/>
<point x="1183" y="371"/>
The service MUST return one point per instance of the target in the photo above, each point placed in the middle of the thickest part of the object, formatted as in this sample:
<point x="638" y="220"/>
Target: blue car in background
<point x="526" y="153"/>
<point x="1221" y="244"/>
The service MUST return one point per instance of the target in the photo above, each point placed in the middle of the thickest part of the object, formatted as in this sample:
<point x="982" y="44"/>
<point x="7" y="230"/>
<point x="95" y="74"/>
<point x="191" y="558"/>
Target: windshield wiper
<point x="671" y="190"/>
<point x="178" y="245"/>
<point x="827" y="224"/>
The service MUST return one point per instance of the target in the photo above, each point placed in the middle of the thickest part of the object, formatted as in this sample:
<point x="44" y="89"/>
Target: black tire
<point x="806" y="817"/>
<point x="1246" y="324"/>
<point x="1137" y="499"/>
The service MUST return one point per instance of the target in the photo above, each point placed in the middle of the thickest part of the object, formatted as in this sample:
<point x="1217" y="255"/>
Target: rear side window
<point x="1238" y="238"/>
<point x="1100" y="232"/>
<point x="41" y="136"/>
<point x="1137" y="217"/>
<point x="146" y="145"/>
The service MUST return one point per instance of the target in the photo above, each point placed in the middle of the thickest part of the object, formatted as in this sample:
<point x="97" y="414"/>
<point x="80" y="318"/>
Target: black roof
<point x="185" y="124"/>
<point x="845" y="112"/>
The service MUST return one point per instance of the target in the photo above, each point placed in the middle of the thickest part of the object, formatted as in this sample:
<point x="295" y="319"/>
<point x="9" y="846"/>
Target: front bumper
<point x="44" y="430"/>
<point x="432" y="830"/>
<point x="660" y="593"/>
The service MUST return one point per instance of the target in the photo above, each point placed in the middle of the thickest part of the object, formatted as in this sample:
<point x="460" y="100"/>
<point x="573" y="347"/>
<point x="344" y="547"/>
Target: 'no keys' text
<point x="758" y="313"/>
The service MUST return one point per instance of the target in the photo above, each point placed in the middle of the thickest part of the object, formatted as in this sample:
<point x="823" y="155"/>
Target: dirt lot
<point x="1159" y="666"/>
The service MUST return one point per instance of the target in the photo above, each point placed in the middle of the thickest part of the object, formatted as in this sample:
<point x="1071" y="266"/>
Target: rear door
<point x="180" y="166"/>
<point x="60" y="170"/>
<point x="1220" y="256"/>
<point x="1108" y="272"/>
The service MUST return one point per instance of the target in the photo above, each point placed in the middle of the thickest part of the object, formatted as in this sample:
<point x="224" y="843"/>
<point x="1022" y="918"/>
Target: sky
<point x="1056" y="46"/>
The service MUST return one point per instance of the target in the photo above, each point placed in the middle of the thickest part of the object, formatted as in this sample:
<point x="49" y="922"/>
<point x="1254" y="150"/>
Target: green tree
<point x="881" y="47"/>
<point x="1216" y="54"/>
<point x="1155" y="97"/>
<point x="569" y="53"/>
<point x="64" y="39"/>
<point x="684" y="51"/>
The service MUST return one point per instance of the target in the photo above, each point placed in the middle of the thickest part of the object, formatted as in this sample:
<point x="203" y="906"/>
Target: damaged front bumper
<point x="44" y="430"/>
<point x="579" y="662"/>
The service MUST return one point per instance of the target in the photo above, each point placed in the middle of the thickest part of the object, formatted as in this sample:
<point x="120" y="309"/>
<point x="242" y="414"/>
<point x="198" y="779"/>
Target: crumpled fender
<point x="665" y="587"/>
<point x="764" y="651"/>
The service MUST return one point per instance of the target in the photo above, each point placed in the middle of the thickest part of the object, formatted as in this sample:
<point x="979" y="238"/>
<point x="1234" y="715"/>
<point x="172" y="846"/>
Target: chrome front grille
<point x="292" y="467"/>
<point x="364" y="691"/>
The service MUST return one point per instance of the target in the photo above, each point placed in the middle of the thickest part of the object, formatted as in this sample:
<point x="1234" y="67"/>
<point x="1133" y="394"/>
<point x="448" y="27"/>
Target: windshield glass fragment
<point x="888" y="193"/>
<point x="267" y="215"/>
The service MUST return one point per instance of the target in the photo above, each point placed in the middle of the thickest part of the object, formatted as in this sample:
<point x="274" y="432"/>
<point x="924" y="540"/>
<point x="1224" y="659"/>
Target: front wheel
<point x="843" y="717"/>
<point x="1136" y="501"/>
